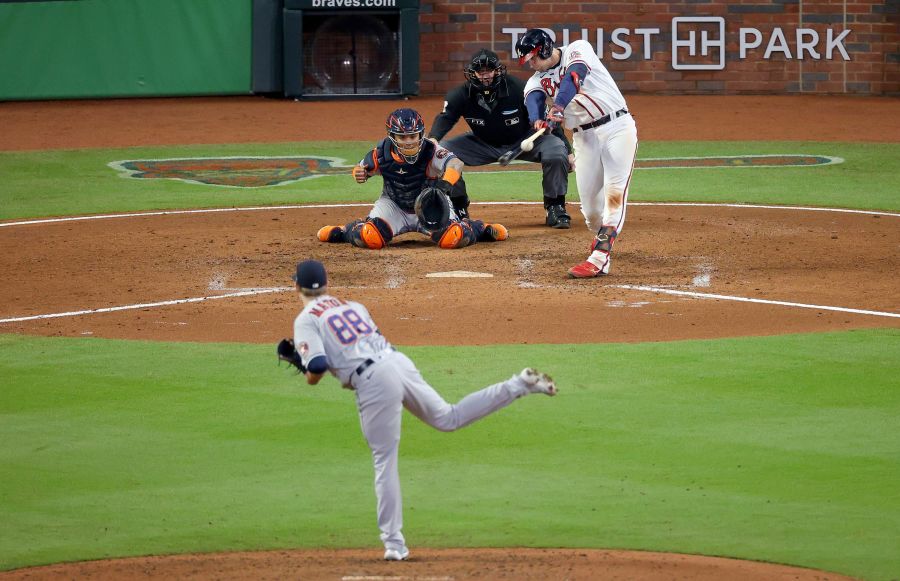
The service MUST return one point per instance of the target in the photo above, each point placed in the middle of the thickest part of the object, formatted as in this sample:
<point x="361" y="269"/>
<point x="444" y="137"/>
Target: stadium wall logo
<point x="699" y="42"/>
<point x="260" y="172"/>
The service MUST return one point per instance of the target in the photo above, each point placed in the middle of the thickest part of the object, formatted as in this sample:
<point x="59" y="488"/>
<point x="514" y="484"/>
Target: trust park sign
<point x="698" y="42"/>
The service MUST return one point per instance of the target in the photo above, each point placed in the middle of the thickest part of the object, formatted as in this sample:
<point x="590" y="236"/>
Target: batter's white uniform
<point x="386" y="381"/>
<point x="604" y="154"/>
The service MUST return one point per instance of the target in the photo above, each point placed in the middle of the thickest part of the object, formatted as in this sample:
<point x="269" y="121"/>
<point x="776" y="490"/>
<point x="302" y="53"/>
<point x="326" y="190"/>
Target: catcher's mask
<point x="406" y="129"/>
<point x="478" y="73"/>
<point x="433" y="209"/>
<point x="535" y="42"/>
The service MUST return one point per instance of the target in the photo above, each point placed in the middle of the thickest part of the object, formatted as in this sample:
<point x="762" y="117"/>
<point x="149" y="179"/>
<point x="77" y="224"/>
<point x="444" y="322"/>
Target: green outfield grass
<point x="58" y="183"/>
<point x="780" y="449"/>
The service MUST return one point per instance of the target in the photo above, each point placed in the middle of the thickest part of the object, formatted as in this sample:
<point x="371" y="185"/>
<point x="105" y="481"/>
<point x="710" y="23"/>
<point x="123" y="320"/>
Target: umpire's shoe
<point x="557" y="217"/>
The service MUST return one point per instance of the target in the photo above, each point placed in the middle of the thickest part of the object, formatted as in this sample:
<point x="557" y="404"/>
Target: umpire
<point x="493" y="105"/>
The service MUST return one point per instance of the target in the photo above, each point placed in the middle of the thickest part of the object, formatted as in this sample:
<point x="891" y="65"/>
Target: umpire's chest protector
<point x="403" y="181"/>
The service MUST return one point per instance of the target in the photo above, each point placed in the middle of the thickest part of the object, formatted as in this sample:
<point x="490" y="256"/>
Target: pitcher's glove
<point x="287" y="352"/>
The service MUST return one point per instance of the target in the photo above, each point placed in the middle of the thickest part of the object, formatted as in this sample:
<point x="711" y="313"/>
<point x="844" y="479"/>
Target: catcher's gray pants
<point x="549" y="151"/>
<point x="382" y="391"/>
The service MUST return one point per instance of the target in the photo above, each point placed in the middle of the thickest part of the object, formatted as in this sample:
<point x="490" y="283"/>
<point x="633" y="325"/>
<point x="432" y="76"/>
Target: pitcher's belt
<point x="602" y="121"/>
<point x="370" y="362"/>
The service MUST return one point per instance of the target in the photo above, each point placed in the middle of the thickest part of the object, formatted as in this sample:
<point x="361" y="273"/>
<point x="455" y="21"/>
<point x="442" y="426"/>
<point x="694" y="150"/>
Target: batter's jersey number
<point x="348" y="326"/>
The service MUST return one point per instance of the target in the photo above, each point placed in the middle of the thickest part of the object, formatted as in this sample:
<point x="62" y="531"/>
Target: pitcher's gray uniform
<point x="385" y="381"/>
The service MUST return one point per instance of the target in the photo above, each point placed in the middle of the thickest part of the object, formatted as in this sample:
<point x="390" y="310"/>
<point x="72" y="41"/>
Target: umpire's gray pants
<point x="549" y="151"/>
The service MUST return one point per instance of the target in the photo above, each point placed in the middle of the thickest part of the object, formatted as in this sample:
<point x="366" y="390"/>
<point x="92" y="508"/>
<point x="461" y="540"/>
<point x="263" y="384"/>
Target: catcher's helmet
<point x="403" y="123"/>
<point x="534" y="42"/>
<point x="485" y="61"/>
<point x="433" y="209"/>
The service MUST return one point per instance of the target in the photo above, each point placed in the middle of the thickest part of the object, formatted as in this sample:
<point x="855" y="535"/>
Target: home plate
<point x="459" y="274"/>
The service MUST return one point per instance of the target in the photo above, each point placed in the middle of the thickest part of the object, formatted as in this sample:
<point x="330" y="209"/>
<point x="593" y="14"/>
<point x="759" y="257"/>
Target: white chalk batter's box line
<point x="252" y="292"/>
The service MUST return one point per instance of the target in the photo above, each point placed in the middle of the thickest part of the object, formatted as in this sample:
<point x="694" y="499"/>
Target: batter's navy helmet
<point x="534" y="42"/>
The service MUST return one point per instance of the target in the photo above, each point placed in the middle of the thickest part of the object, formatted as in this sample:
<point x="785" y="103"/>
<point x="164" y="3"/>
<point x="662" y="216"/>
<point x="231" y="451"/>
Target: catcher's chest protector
<point x="404" y="181"/>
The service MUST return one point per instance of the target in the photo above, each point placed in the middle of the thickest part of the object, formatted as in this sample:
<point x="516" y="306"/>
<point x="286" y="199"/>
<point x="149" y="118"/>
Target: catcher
<point x="418" y="176"/>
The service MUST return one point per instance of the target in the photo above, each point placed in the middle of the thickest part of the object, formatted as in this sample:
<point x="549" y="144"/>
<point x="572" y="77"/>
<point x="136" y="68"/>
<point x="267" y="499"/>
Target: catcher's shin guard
<point x="374" y="233"/>
<point x="456" y="235"/>
<point x="604" y="239"/>
<point x="331" y="234"/>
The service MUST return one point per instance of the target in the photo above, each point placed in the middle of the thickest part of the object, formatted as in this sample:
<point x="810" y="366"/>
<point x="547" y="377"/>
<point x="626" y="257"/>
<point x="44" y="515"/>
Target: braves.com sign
<point x="698" y="42"/>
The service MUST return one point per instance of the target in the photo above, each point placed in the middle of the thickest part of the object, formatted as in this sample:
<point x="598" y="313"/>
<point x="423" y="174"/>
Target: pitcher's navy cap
<point x="310" y="275"/>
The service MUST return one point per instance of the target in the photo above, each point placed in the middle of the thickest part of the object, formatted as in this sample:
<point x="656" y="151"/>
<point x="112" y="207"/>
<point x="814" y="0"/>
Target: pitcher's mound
<point x="429" y="564"/>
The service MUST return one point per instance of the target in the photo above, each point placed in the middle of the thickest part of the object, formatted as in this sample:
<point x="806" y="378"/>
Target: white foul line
<point x="317" y="206"/>
<point x="147" y="305"/>
<point x="667" y="291"/>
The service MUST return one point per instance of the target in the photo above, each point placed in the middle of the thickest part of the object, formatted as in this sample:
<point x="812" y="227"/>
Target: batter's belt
<point x="601" y="121"/>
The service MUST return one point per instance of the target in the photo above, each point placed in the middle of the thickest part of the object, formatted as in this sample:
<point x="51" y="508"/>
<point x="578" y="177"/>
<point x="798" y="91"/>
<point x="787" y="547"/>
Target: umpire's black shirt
<point x="501" y="122"/>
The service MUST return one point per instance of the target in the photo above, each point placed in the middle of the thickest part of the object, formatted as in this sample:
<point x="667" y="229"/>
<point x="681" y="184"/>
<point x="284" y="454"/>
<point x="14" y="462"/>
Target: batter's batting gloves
<point x="555" y="116"/>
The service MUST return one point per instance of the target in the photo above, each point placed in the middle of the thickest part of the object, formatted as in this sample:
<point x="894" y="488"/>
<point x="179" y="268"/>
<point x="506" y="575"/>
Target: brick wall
<point x="452" y="30"/>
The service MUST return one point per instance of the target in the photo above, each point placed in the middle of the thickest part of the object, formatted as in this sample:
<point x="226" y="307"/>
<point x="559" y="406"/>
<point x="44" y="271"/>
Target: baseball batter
<point x="572" y="86"/>
<point x="408" y="164"/>
<point x="337" y="335"/>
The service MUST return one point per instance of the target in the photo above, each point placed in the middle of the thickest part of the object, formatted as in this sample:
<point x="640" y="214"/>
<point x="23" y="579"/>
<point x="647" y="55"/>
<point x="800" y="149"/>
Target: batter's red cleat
<point x="586" y="269"/>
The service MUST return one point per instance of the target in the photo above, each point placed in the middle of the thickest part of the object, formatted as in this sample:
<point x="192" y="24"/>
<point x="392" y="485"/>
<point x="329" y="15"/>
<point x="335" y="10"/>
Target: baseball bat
<point x="526" y="145"/>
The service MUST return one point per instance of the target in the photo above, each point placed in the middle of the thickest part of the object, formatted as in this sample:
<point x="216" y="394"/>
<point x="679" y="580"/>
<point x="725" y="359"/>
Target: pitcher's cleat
<point x="400" y="554"/>
<point x="331" y="234"/>
<point x="538" y="382"/>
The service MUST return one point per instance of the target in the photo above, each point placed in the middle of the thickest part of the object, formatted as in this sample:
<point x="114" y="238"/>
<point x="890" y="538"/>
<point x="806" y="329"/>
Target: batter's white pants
<point x="604" y="161"/>
<point x="382" y="392"/>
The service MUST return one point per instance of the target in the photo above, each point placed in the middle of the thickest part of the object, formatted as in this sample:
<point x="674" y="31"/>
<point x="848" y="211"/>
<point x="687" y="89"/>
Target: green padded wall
<point x="119" y="48"/>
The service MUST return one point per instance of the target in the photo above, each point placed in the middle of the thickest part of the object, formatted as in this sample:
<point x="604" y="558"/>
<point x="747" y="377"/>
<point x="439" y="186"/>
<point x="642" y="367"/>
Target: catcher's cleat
<point x="538" y="382"/>
<point x="331" y="234"/>
<point x="400" y="554"/>
<point x="496" y="232"/>
<point x="558" y="218"/>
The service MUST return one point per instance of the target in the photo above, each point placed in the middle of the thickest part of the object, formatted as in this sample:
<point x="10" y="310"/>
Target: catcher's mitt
<point x="287" y="352"/>
<point x="433" y="209"/>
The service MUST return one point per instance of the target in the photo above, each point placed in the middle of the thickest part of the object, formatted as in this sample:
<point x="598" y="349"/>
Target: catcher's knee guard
<point x="604" y="239"/>
<point x="456" y="235"/>
<point x="374" y="233"/>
